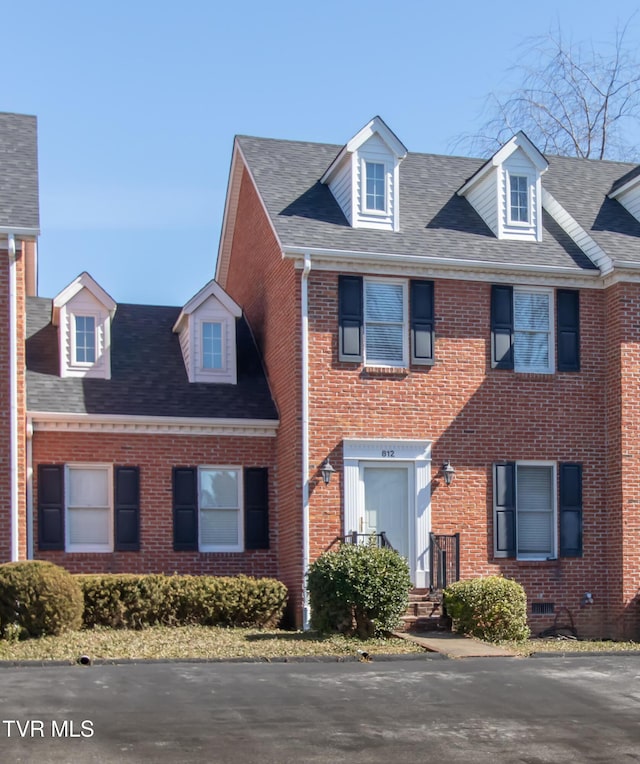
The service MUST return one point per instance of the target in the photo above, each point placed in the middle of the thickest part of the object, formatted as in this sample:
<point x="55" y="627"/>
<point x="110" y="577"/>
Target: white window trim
<point x="239" y="547"/>
<point x="73" y="363"/>
<point x="366" y="210"/>
<point x="554" y="510"/>
<point x="222" y="322"/>
<point x="526" y="224"/>
<point x="551" y="333"/>
<point x="404" y="364"/>
<point x="100" y="548"/>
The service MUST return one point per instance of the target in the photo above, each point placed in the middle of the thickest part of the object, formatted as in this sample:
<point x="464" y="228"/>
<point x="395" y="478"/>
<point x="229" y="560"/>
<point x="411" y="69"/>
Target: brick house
<point x="417" y="311"/>
<point x="397" y="315"/>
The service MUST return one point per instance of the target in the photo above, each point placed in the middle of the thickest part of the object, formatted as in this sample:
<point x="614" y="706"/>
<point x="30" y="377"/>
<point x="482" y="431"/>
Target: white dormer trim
<point x="84" y="298"/>
<point x="488" y="190"/>
<point x="628" y="194"/>
<point x="346" y="176"/>
<point x="210" y="306"/>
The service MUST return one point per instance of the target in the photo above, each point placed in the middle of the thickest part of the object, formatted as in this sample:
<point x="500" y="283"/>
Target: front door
<point x="386" y="503"/>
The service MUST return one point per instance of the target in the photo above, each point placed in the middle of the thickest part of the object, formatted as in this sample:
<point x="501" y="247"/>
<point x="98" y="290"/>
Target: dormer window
<point x="365" y="178"/>
<point x="212" y="345"/>
<point x="206" y="327"/>
<point x="376" y="187"/>
<point x="518" y="199"/>
<point x="507" y="190"/>
<point x="83" y="312"/>
<point x="85" y="339"/>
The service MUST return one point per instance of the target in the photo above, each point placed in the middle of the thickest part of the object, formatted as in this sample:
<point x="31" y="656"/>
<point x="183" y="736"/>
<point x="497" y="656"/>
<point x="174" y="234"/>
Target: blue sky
<point x="138" y="102"/>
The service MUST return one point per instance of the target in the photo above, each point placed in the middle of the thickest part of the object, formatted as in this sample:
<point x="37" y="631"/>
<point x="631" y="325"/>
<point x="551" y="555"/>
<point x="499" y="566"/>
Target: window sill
<point x="385" y="371"/>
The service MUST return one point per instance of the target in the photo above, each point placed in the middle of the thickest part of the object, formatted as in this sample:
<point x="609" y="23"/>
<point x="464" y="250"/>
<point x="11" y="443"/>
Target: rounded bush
<point x="38" y="598"/>
<point x="492" y="608"/>
<point x="358" y="589"/>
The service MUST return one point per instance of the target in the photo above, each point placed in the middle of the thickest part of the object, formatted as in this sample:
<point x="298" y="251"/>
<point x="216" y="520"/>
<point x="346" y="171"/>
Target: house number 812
<point x="388" y="454"/>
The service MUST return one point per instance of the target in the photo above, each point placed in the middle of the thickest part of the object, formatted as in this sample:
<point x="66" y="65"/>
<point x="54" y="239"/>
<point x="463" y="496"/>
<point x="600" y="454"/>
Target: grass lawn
<point x="184" y="642"/>
<point x="195" y="642"/>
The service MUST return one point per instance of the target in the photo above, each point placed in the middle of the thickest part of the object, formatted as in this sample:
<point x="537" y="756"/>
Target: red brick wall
<point x="155" y="455"/>
<point x="474" y="416"/>
<point x="623" y="455"/>
<point x="268" y="288"/>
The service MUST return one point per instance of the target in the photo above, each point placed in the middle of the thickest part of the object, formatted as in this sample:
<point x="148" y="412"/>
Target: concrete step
<point x="416" y="623"/>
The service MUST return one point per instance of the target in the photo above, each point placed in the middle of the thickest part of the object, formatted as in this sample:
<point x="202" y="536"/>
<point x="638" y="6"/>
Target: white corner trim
<point x="47" y="421"/>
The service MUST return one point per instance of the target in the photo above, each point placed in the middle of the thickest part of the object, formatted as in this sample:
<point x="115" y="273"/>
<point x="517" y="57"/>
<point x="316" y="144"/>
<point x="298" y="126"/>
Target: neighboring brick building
<point x="19" y="228"/>
<point x="414" y="310"/>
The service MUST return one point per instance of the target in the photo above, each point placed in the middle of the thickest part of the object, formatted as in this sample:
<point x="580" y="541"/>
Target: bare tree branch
<point x="573" y="99"/>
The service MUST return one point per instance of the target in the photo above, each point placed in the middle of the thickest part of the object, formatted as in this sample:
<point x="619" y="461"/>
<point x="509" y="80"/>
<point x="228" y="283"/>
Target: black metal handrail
<point x="375" y="539"/>
<point x="444" y="560"/>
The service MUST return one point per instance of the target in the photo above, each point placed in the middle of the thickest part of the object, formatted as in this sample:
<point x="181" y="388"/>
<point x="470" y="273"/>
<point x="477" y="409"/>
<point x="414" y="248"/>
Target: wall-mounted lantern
<point x="448" y="472"/>
<point x="327" y="470"/>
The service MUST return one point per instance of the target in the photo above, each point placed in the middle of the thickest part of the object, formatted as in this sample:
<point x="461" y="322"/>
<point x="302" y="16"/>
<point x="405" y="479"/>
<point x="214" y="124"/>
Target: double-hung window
<point x="89" y="515"/>
<point x="84" y="339"/>
<point x="385" y="322"/>
<point x="212" y="357"/>
<point x="525" y="510"/>
<point x="518" y="199"/>
<point x="535" y="330"/>
<point x="376" y="187"/>
<point x="527" y="515"/>
<point x="220" y="502"/>
<point x="533" y="322"/>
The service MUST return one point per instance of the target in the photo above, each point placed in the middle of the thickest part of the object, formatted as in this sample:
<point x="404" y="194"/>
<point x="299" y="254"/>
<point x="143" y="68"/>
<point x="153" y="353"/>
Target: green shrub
<point x="492" y="608"/>
<point x="358" y="589"/>
<point x="137" y="601"/>
<point x="38" y="598"/>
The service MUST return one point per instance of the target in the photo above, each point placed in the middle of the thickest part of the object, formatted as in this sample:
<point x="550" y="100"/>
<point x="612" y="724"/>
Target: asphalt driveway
<point x="584" y="709"/>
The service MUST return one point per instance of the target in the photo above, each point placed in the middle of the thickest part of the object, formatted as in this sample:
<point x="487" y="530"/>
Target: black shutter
<point x="50" y="507"/>
<point x="422" y="322"/>
<point x="501" y="327"/>
<point x="504" y="516"/>
<point x="568" y="329"/>
<point x="256" y="508"/>
<point x="570" y="510"/>
<point x="350" y="317"/>
<point x="127" y="509"/>
<point x="185" y="509"/>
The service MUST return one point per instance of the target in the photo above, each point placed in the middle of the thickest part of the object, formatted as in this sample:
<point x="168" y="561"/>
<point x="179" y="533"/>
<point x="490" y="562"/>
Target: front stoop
<point x="424" y="612"/>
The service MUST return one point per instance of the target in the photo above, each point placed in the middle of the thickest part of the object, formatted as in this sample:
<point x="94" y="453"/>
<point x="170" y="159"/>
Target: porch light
<point x="448" y="472"/>
<point x="327" y="470"/>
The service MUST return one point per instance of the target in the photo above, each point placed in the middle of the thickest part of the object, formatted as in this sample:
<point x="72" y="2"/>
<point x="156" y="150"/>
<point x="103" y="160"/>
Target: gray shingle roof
<point x="18" y="171"/>
<point x="148" y="377"/>
<point x="434" y="221"/>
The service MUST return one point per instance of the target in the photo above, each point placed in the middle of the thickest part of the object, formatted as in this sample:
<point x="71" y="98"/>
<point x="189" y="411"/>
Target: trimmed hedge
<point x="38" y="598"/>
<point x="358" y="589"/>
<point x="492" y="608"/>
<point x="130" y="601"/>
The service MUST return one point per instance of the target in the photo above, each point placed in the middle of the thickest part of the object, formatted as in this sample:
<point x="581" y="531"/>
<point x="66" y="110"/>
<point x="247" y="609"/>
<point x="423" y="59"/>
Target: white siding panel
<point x="630" y="200"/>
<point x="483" y="198"/>
<point x="340" y="187"/>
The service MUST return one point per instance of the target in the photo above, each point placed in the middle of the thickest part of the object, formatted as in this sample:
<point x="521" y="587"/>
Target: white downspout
<point x="305" y="437"/>
<point x="13" y="396"/>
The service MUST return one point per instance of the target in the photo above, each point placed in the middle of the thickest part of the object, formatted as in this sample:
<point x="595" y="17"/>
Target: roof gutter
<point x="450" y="262"/>
<point x="304" y="301"/>
<point x="13" y="396"/>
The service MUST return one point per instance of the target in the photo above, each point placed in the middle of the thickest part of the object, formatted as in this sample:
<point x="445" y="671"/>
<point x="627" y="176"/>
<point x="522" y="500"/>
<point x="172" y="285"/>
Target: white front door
<point x="387" y="488"/>
<point x="386" y="502"/>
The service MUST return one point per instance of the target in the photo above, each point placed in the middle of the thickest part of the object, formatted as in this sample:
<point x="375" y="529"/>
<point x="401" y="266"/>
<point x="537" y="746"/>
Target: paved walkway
<point x="455" y="645"/>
